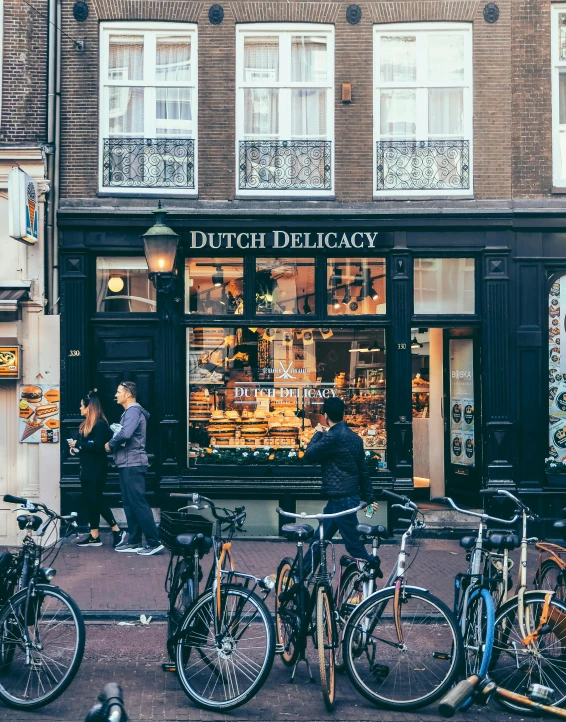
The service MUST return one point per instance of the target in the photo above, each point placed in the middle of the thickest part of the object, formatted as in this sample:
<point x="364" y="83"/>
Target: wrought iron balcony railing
<point x="423" y="165"/>
<point x="285" y="165"/>
<point x="149" y="163"/>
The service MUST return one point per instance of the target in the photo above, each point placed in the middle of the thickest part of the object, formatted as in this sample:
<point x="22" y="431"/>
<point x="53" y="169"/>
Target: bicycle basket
<point x="174" y="523"/>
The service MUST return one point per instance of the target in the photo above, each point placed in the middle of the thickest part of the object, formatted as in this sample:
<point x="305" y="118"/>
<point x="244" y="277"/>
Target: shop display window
<point x="255" y="394"/>
<point x="214" y="286"/>
<point x="444" y="286"/>
<point x="285" y="286"/>
<point x="122" y="285"/>
<point x="356" y="286"/>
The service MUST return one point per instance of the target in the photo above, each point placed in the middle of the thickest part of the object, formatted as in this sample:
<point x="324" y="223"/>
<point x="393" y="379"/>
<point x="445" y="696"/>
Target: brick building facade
<point x="501" y="211"/>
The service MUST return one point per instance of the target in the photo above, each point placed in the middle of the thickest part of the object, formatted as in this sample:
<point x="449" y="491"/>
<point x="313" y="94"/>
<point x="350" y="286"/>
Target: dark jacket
<point x="92" y="457"/>
<point x="128" y="446"/>
<point x="340" y="452"/>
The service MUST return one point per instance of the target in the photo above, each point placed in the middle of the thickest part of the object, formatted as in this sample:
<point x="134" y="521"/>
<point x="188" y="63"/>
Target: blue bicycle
<point x="481" y="590"/>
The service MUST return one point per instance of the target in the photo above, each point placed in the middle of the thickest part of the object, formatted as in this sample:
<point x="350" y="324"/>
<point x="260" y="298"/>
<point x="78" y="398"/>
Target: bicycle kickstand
<point x="306" y="661"/>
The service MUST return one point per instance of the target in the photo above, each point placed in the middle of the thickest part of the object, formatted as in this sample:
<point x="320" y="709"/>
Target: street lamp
<point x="160" y="248"/>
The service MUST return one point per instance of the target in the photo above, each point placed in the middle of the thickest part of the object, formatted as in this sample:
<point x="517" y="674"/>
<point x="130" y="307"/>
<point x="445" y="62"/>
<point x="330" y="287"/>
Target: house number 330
<point x="402" y="346"/>
<point x="74" y="352"/>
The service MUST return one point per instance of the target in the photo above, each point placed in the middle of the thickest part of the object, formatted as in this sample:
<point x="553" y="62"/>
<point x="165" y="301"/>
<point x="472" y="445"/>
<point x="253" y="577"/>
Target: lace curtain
<point x="126" y="105"/>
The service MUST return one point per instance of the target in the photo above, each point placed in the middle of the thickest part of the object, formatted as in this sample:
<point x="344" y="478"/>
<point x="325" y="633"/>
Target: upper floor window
<point x="423" y="109"/>
<point x="284" y="114"/>
<point x="148" y="107"/>
<point x="558" y="54"/>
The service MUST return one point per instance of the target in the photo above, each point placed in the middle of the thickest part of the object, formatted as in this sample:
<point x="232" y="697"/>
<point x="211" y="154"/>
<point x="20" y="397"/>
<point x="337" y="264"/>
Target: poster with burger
<point x="38" y="411"/>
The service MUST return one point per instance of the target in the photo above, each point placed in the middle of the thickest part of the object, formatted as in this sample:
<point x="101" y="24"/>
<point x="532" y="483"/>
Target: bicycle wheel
<point x="287" y="618"/>
<point x="225" y="670"/>
<point x="516" y="666"/>
<point x="182" y="594"/>
<point x="478" y="633"/>
<point x="350" y="596"/>
<point x="325" y="642"/>
<point x="404" y="673"/>
<point x="551" y="576"/>
<point x="35" y="672"/>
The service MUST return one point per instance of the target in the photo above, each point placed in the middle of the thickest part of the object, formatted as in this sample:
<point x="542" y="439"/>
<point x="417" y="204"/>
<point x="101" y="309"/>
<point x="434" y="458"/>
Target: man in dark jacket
<point x="128" y="447"/>
<point x="345" y="478"/>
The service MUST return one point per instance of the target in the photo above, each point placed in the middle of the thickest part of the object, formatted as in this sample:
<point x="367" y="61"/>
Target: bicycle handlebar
<point x="237" y="516"/>
<point x="469" y="512"/>
<point x="33" y="506"/>
<point x="9" y="499"/>
<point x="396" y="497"/>
<point x="509" y="495"/>
<point x="303" y="515"/>
<point x="452" y="702"/>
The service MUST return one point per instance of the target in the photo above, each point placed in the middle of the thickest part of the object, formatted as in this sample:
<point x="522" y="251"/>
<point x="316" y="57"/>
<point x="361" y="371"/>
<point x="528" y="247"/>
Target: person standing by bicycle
<point x="94" y="432"/>
<point x="128" y="447"/>
<point x="345" y="478"/>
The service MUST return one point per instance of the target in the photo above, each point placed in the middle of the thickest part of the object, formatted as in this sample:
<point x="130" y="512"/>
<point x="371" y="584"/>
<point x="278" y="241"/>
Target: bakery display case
<point x="421" y="397"/>
<point x="264" y="387"/>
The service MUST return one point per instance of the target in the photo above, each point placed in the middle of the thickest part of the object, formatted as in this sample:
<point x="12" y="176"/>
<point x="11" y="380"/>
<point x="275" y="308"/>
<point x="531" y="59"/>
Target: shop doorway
<point x="446" y="425"/>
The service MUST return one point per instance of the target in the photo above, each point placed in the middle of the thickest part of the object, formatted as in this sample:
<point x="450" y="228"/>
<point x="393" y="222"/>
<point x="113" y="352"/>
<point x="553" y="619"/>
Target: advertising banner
<point x="462" y="417"/>
<point x="23" y="206"/>
<point x="38" y="411"/>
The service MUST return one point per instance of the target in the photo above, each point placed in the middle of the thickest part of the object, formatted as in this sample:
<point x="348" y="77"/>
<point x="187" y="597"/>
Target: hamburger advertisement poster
<point x="38" y="409"/>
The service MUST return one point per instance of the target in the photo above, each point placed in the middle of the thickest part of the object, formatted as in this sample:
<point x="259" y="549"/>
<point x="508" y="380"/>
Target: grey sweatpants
<point x="137" y="510"/>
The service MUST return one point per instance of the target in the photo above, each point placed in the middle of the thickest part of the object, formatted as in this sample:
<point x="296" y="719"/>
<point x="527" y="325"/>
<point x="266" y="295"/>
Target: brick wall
<point x="496" y="66"/>
<point x="24" y="73"/>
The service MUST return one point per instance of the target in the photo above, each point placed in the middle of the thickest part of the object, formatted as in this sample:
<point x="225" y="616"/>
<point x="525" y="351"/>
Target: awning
<point x="11" y="294"/>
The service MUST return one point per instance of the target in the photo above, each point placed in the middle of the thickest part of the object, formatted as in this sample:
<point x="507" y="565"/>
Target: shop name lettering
<point x="461" y="374"/>
<point x="282" y="239"/>
<point x="283" y="392"/>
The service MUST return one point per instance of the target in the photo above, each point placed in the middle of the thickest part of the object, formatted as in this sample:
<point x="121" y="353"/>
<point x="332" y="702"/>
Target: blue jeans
<point x="346" y="525"/>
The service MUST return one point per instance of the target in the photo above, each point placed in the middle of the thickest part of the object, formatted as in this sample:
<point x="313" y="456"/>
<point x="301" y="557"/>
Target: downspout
<point x="57" y="160"/>
<point x="51" y="59"/>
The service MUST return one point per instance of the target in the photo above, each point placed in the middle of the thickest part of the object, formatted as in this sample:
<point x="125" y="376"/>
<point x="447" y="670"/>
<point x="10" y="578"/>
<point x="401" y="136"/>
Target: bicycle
<point x="402" y="646"/>
<point x="300" y="613"/>
<point x="483" y="588"/>
<point x="529" y="631"/>
<point x="224" y="645"/>
<point x="42" y="632"/>
<point x="357" y="581"/>
<point x="481" y="689"/>
<point x="551" y="570"/>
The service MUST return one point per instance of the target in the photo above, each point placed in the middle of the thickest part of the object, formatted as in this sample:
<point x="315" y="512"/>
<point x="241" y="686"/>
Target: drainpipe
<point x="57" y="159"/>
<point x="51" y="60"/>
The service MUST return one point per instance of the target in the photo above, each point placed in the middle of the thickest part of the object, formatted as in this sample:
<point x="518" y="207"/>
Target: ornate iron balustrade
<point x="148" y="163"/>
<point x="285" y="165"/>
<point x="423" y="165"/>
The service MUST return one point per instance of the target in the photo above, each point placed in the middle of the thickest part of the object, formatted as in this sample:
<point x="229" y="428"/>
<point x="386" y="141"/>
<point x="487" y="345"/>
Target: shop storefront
<point x="264" y="322"/>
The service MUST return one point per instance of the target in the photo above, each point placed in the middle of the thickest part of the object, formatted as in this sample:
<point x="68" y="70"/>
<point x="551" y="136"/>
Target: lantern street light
<point x="160" y="248"/>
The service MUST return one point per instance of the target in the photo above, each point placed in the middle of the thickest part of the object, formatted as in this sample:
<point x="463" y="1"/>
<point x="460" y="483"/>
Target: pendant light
<point x="218" y="277"/>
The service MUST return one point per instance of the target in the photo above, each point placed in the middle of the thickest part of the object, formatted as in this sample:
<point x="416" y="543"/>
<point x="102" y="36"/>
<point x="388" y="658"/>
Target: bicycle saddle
<point x="296" y="532"/>
<point x="26" y="521"/>
<point x="378" y="531"/>
<point x="500" y="541"/>
<point x="193" y="541"/>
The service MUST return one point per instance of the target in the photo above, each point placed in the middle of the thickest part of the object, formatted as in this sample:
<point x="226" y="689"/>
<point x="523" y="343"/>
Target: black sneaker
<point x="90" y="541"/>
<point x="118" y="537"/>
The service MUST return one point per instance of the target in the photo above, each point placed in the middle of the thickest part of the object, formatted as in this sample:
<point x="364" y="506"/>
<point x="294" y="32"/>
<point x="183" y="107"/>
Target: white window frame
<point x="284" y="31"/>
<point x="150" y="30"/>
<point x="420" y="30"/>
<point x="557" y="65"/>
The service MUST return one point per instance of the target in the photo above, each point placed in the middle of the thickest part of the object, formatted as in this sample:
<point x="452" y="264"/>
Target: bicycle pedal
<point x="279" y="649"/>
<point x="168" y="667"/>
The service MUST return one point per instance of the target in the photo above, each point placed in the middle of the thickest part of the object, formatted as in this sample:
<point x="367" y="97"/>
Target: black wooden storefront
<point x="514" y="259"/>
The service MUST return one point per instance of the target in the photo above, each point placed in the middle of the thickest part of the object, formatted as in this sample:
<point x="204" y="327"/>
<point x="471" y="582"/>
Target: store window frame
<point x="421" y="109"/>
<point x="436" y="320"/>
<point x="102" y="316"/>
<point x="558" y="65"/>
<point x="320" y="315"/>
<point x="150" y="30"/>
<point x="284" y="31"/>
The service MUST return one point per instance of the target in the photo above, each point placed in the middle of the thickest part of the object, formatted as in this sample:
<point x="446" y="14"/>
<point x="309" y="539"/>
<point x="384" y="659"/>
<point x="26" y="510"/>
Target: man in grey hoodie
<point x="128" y="448"/>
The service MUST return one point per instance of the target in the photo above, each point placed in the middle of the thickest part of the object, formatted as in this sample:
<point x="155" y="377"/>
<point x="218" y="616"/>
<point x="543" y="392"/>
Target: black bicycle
<point x="302" y="613"/>
<point x="42" y="632"/>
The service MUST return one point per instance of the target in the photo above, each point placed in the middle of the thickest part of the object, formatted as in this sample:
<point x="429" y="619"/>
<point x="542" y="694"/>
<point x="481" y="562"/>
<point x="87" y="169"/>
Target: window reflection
<point x="214" y="286"/>
<point x="284" y="286"/>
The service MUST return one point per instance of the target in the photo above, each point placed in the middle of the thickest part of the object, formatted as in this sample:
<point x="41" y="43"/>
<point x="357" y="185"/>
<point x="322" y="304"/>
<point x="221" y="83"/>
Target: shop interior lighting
<point x="218" y="277"/>
<point x="415" y="343"/>
<point x="115" y="283"/>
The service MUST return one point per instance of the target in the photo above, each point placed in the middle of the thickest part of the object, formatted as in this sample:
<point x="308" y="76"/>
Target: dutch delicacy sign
<point x="282" y="240"/>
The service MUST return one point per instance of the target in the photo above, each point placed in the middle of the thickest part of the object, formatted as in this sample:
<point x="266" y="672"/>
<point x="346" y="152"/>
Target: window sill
<point x="150" y="193"/>
<point x="284" y="197"/>
<point x="558" y="190"/>
<point x="416" y="196"/>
